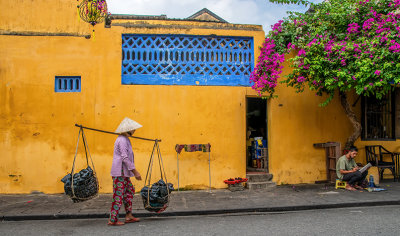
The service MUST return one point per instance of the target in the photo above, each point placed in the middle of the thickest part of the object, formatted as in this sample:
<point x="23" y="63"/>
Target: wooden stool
<point x="340" y="184"/>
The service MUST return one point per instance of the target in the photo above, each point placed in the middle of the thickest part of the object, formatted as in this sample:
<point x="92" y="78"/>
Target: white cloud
<point x="260" y="12"/>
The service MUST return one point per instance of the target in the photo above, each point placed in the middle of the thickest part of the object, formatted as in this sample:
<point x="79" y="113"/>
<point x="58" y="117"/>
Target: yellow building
<point x="184" y="80"/>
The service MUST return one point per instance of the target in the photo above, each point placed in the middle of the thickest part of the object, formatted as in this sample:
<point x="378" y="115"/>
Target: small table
<point x="332" y="153"/>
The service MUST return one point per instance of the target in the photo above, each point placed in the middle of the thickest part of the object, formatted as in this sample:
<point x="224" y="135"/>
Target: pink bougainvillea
<point x="266" y="73"/>
<point x="344" y="45"/>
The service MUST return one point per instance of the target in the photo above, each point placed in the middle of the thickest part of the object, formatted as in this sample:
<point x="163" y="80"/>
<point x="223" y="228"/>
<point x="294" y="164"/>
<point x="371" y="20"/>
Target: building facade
<point x="185" y="80"/>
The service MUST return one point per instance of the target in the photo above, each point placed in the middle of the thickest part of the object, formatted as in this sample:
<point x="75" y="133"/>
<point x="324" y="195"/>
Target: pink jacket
<point x="123" y="159"/>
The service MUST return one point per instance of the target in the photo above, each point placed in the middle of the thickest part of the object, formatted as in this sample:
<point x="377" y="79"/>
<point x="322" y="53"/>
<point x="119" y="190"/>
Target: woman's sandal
<point x="133" y="220"/>
<point x="117" y="223"/>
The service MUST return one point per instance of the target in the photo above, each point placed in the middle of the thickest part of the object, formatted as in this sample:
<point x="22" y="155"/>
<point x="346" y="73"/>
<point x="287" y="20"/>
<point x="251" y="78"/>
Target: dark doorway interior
<point x="256" y="135"/>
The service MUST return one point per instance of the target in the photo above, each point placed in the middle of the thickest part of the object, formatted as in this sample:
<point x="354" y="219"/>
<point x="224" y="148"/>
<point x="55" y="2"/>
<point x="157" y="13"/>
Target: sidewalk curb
<point x="205" y="212"/>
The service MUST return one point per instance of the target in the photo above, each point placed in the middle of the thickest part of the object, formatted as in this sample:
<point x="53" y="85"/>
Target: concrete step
<point x="260" y="185"/>
<point x="259" y="177"/>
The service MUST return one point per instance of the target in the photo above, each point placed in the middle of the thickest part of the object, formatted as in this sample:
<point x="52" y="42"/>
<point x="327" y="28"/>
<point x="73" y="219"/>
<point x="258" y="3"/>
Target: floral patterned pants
<point x="123" y="193"/>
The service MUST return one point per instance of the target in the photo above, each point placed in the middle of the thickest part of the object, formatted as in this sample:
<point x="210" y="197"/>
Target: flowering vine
<point x="268" y="68"/>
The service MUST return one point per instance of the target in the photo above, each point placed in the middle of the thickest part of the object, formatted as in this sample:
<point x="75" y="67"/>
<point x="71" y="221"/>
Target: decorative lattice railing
<point x="187" y="60"/>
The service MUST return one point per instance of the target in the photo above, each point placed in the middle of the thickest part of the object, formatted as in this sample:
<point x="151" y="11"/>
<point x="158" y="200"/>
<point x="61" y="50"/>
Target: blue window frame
<point x="67" y="84"/>
<point x="187" y="60"/>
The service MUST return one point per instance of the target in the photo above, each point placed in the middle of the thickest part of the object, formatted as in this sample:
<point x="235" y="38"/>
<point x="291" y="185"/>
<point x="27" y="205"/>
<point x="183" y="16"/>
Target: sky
<point x="259" y="12"/>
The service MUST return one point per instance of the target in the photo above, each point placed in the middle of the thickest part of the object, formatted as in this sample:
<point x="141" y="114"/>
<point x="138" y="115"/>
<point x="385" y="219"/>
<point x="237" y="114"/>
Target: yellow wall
<point x="296" y="123"/>
<point x="37" y="133"/>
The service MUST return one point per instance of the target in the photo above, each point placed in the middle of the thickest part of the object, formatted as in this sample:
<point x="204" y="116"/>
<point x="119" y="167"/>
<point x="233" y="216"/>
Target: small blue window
<point x="67" y="84"/>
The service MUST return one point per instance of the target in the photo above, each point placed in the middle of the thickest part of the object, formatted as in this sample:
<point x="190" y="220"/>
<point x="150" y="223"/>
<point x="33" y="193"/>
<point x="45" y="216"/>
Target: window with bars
<point x="187" y="60"/>
<point x="378" y="117"/>
<point x="67" y="84"/>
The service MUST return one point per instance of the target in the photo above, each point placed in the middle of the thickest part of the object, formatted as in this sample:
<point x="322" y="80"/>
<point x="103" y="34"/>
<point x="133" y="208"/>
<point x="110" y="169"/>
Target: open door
<point x="256" y="135"/>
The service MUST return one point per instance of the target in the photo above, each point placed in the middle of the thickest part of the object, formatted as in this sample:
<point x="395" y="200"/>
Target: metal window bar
<point x="378" y="117"/>
<point x="67" y="84"/>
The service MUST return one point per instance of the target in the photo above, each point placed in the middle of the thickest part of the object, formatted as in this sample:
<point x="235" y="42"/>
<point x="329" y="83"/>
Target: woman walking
<point x="123" y="167"/>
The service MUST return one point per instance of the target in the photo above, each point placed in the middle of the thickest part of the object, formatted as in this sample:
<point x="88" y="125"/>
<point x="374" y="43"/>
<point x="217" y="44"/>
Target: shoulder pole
<point x="108" y="132"/>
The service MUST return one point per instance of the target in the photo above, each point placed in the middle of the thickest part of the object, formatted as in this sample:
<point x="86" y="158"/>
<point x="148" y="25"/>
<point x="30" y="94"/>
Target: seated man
<point x="347" y="170"/>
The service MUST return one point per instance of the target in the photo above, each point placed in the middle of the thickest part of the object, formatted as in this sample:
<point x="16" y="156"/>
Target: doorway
<point x="256" y="135"/>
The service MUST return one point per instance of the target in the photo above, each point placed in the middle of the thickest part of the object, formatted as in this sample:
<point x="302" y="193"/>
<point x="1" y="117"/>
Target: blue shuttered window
<point x="187" y="60"/>
<point x="67" y="84"/>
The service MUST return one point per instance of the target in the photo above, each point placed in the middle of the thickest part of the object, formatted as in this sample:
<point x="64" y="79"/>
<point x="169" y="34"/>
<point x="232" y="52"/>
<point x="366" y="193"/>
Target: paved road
<point x="349" y="221"/>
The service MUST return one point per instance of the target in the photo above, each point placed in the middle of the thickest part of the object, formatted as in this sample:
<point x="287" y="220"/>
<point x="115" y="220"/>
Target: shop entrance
<point x="256" y="135"/>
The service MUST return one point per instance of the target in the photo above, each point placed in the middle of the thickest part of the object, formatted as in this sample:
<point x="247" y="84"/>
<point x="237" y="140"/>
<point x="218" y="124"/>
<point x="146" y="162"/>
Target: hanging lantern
<point x="93" y="11"/>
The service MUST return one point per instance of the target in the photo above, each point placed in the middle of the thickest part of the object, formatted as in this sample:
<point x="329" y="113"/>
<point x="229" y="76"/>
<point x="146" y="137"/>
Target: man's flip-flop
<point x="133" y="220"/>
<point x="351" y="189"/>
<point x="358" y="187"/>
<point x="117" y="223"/>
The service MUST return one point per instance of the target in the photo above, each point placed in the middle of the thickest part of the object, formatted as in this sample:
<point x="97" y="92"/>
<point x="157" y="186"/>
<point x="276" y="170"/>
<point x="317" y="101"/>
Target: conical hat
<point x="127" y="125"/>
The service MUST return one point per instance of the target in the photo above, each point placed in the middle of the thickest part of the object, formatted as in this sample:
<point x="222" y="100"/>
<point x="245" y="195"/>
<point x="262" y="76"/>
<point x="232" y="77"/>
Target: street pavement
<point x="186" y="203"/>
<point x="382" y="220"/>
